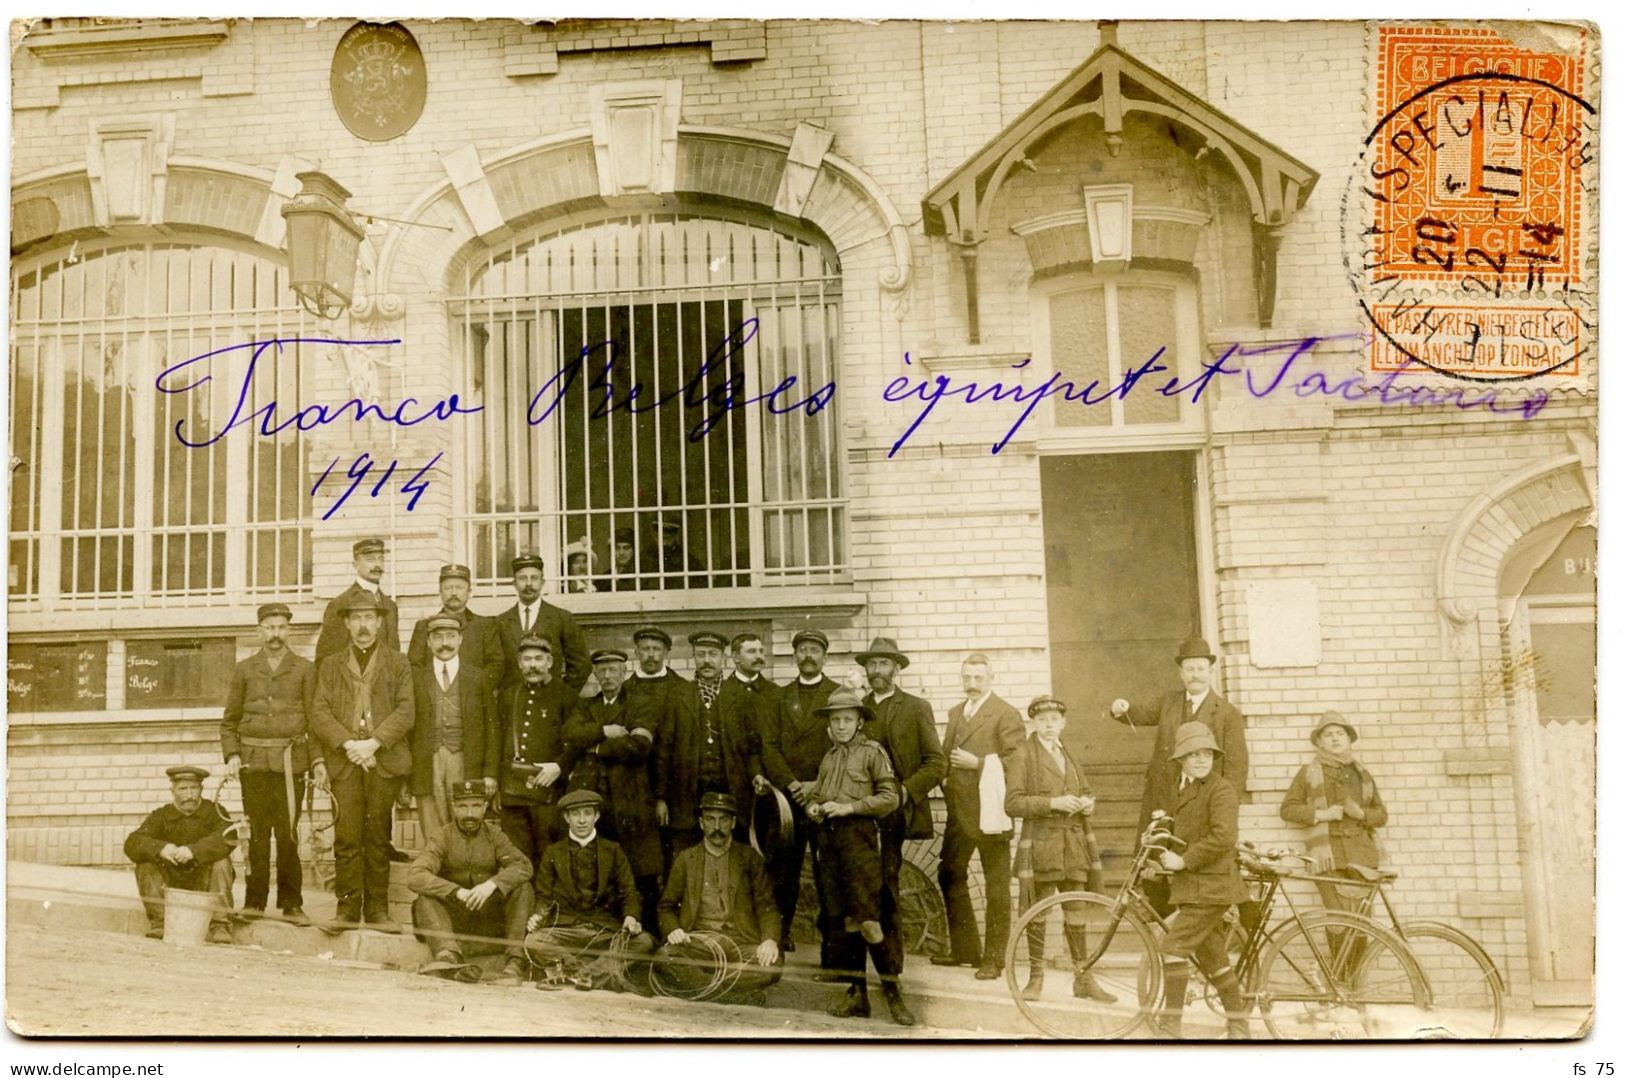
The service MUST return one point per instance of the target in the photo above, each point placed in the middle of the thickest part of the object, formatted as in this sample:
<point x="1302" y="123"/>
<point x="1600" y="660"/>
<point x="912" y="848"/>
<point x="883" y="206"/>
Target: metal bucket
<point x="187" y="915"/>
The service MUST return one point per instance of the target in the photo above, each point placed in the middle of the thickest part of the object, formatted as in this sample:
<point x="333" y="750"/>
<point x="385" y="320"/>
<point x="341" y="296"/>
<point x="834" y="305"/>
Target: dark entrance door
<point x="1121" y="575"/>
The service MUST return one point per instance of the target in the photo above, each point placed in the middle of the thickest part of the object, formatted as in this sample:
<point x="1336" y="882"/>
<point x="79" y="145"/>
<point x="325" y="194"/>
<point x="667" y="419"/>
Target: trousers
<point x="434" y="809"/>
<point x="953" y="876"/>
<point x="151" y="877"/>
<point x="444" y="923"/>
<point x="265" y="800"/>
<point x="363" y="802"/>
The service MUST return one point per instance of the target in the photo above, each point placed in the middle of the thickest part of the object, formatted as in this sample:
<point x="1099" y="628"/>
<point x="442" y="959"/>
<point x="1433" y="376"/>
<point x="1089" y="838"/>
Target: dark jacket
<point x="203" y="832"/>
<point x="1205" y="814"/>
<point x="752" y="916"/>
<point x="332" y="715"/>
<point x="481" y="646"/>
<point x="995" y="730"/>
<point x="907" y="727"/>
<point x="1162" y="777"/>
<point x="1352" y="841"/>
<point x="612" y="900"/>
<point x="682" y="736"/>
<point x="618" y="769"/>
<point x="479" y="737"/>
<point x="450" y="861"/>
<point x="531" y="732"/>
<point x="570" y="663"/>
<point x="261" y="705"/>
<point x="1060" y="841"/>
<point x="335" y="637"/>
<point x="795" y="740"/>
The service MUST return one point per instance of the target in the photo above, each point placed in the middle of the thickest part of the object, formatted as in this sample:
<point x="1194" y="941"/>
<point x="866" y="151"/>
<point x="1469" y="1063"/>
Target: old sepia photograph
<point x="801" y="529"/>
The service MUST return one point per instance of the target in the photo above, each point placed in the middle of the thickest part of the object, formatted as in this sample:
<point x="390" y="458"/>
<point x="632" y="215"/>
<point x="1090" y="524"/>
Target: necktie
<point x="445" y="677"/>
<point x="524" y="619"/>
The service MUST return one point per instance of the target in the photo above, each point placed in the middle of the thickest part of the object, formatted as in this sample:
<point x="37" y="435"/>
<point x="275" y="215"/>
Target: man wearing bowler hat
<point x="906" y="728"/>
<point x="470" y="880"/>
<point x="368" y="555"/>
<point x="364" y="715"/>
<point x="453" y="738"/>
<point x="794" y="740"/>
<point x="263" y="736"/>
<point x="533" y="762"/>
<point x="480" y="647"/>
<point x="184" y="845"/>
<point x="533" y="615"/>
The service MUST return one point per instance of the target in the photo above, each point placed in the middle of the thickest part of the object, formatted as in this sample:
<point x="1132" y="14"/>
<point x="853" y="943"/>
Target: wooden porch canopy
<point x="1111" y="84"/>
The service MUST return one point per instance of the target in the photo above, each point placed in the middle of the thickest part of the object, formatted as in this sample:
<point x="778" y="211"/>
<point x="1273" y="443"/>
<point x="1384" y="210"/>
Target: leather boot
<point x="854" y="1004"/>
<point x="1084" y="985"/>
<point x="1033" y="990"/>
<point x="890" y="983"/>
<point x="1237" y="1027"/>
<point x="1176" y="976"/>
<point x="894" y="1002"/>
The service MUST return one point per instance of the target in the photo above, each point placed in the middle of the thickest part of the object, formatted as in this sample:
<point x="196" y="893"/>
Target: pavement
<point x="63" y="903"/>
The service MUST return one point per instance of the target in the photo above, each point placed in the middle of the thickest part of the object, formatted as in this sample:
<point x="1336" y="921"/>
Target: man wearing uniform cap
<point x="453" y="738"/>
<point x="587" y="904"/>
<point x="721" y="887"/>
<point x="480" y="646"/>
<point x="364" y="715"/>
<point x="533" y="762"/>
<point x="533" y="615"/>
<point x="471" y="881"/>
<point x="184" y="845"/>
<point x="368" y="555"/>
<point x="611" y="751"/>
<point x="263" y="737"/>
<point x="794" y="740"/>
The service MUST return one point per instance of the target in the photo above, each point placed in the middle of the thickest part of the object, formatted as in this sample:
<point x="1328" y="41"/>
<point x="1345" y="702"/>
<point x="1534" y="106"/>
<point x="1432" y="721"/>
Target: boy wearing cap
<point x="855" y="789"/>
<point x="471" y="881"/>
<point x="1205" y="882"/>
<point x="263" y="737"/>
<point x="480" y="646"/>
<point x="368" y="555"/>
<point x="1336" y="799"/>
<point x="453" y="738"/>
<point x="183" y="845"/>
<point x="533" y="761"/>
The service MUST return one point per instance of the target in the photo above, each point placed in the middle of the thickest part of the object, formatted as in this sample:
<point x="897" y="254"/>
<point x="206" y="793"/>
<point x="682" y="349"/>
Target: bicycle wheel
<point x="1374" y="988"/>
<point x="1465" y="994"/>
<point x="1120" y="951"/>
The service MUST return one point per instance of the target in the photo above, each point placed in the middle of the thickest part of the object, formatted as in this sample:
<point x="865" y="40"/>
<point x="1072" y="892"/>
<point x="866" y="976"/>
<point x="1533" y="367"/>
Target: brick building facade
<point x="1424" y="570"/>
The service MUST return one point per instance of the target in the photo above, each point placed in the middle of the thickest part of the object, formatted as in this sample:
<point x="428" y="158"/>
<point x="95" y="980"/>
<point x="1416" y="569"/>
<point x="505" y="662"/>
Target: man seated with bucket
<point x="471" y="881"/>
<point x="184" y="846"/>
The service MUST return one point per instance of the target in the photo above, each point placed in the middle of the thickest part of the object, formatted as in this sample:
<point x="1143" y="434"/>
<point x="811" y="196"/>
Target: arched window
<point x="683" y="493"/>
<point x="108" y="507"/>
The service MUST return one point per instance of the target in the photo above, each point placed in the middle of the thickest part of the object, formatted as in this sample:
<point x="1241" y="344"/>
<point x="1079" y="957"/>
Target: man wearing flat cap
<point x="263" y="737"/>
<point x="364" y="715"/>
<point x="794" y="740"/>
<point x="471" y="881"/>
<point x="533" y="615"/>
<point x="589" y="916"/>
<point x="184" y="845"/>
<point x="708" y="743"/>
<point x="611" y="751"/>
<point x="906" y="728"/>
<point x="368" y="555"/>
<point x="480" y="647"/>
<point x="720" y="887"/>
<point x="533" y="763"/>
<point x="454" y="736"/>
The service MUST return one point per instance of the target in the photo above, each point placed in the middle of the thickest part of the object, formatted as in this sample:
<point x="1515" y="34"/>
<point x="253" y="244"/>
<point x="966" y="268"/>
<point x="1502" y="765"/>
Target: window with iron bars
<point x="108" y="507"/>
<point x="670" y="308"/>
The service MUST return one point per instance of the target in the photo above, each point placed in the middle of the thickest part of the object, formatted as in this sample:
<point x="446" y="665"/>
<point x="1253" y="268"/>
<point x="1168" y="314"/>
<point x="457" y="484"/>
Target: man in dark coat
<point x="906" y="727"/>
<point x="534" y="762"/>
<point x="794" y="741"/>
<point x="534" y="615"/>
<point x="981" y="729"/>
<point x="184" y="845"/>
<point x="708" y="742"/>
<point x="454" y="737"/>
<point x="364" y="715"/>
<point x="586" y="897"/>
<point x="471" y="881"/>
<point x="481" y="647"/>
<point x="369" y="557"/>
<point x="721" y="887"/>
<point x="611" y="757"/>
<point x="263" y="736"/>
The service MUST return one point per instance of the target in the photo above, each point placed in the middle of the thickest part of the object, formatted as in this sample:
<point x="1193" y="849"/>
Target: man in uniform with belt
<point x="480" y="647"/>
<point x="453" y="738"/>
<point x="534" y="763"/>
<point x="471" y="881"/>
<point x="369" y="555"/>
<point x="184" y="845"/>
<point x="263" y="739"/>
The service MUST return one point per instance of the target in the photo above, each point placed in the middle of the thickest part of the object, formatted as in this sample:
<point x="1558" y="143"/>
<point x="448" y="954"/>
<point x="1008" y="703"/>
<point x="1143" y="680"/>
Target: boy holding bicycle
<point x="1205" y="883"/>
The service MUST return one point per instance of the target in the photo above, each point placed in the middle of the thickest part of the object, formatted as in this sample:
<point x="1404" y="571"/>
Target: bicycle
<point x="1300" y="988"/>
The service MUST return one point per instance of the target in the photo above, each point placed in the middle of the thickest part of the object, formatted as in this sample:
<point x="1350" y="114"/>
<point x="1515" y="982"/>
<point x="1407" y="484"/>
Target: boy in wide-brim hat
<point x="1205" y="884"/>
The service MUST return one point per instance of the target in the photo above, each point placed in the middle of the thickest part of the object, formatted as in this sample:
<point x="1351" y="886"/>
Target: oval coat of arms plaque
<point x="379" y="82"/>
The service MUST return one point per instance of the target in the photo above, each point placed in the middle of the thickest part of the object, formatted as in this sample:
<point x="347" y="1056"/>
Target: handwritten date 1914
<point x="358" y="472"/>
